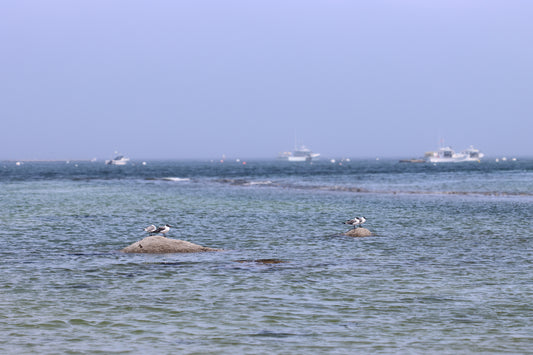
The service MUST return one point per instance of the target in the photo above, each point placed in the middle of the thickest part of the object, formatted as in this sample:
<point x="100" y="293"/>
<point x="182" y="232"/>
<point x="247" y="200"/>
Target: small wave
<point x="175" y="179"/>
<point x="244" y="182"/>
<point x="251" y="183"/>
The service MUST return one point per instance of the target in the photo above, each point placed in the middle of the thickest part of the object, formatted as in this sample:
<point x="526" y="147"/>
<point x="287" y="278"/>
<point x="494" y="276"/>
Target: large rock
<point x="159" y="245"/>
<point x="358" y="232"/>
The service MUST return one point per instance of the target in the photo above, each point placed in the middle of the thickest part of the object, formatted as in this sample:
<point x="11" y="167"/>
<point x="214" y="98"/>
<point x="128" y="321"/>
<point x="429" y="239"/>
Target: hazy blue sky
<point x="202" y="78"/>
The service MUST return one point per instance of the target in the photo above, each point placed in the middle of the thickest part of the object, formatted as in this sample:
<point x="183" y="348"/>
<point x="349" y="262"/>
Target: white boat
<point x="473" y="154"/>
<point x="448" y="155"/>
<point x="118" y="160"/>
<point x="299" y="154"/>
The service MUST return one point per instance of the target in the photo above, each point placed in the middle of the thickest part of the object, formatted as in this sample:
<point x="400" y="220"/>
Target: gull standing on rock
<point x="150" y="229"/>
<point x="357" y="221"/>
<point x="163" y="229"/>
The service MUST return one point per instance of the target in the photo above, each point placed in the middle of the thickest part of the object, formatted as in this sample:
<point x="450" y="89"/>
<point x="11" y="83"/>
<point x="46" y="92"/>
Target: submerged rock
<point x="160" y="245"/>
<point x="358" y="232"/>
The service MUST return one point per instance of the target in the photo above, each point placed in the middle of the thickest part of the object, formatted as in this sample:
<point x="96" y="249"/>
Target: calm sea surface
<point x="448" y="270"/>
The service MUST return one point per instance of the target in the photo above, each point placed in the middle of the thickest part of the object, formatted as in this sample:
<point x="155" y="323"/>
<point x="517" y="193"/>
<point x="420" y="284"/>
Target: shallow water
<point x="448" y="269"/>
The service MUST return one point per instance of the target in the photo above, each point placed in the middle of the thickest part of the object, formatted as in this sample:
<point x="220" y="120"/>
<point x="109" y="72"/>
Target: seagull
<point x="163" y="229"/>
<point x="357" y="221"/>
<point x="150" y="229"/>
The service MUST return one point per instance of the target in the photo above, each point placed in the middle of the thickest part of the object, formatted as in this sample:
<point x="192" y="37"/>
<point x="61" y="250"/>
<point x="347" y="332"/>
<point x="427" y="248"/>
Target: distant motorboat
<point x="448" y="155"/>
<point x="118" y="160"/>
<point x="473" y="154"/>
<point x="300" y="154"/>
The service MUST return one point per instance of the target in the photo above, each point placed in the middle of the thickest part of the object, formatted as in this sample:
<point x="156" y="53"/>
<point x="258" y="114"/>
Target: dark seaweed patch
<point x="268" y="333"/>
<point x="262" y="261"/>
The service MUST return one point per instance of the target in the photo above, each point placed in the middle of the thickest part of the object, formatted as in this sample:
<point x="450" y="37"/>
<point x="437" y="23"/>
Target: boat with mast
<point x="448" y="155"/>
<point x="299" y="154"/>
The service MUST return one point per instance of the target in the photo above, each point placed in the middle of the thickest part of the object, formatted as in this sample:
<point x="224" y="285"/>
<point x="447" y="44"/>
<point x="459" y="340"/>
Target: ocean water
<point x="449" y="268"/>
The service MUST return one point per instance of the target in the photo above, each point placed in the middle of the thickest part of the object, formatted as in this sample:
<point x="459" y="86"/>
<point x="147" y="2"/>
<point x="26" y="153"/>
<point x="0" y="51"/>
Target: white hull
<point x="451" y="160"/>
<point x="447" y="155"/>
<point x="299" y="155"/>
<point x="118" y="161"/>
<point x="297" y="159"/>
